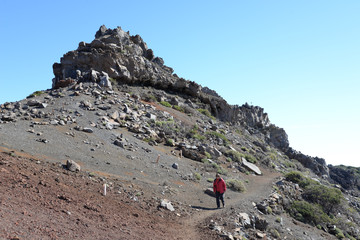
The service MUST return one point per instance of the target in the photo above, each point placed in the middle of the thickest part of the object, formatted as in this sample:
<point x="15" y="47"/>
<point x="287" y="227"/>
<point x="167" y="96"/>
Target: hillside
<point x="128" y="122"/>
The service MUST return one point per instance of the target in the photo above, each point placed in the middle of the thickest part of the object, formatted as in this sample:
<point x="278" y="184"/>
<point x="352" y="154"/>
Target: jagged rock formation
<point x="347" y="177"/>
<point x="317" y="165"/>
<point x="116" y="56"/>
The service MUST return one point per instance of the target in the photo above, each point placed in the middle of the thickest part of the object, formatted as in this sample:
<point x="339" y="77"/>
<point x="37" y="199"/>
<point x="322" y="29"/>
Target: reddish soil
<point x="40" y="200"/>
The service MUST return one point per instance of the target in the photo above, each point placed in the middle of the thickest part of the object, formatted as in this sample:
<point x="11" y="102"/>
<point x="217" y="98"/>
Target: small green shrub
<point x="274" y="233"/>
<point x="210" y="180"/>
<point x="180" y="109"/>
<point x="219" y="169"/>
<point x="204" y="160"/>
<point x="194" y="133"/>
<point x="113" y="81"/>
<point x="150" y="98"/>
<point x="234" y="155"/>
<point x="199" y="136"/>
<point x="250" y="158"/>
<point x="327" y="197"/>
<point x="197" y="176"/>
<point x="166" y="104"/>
<point x="339" y="234"/>
<point x="308" y="213"/>
<point x="161" y="123"/>
<point x="222" y="171"/>
<point x="235" y="185"/>
<point x="206" y="113"/>
<point x="297" y="177"/>
<point x="349" y="236"/>
<point x="170" y="142"/>
<point x="273" y="156"/>
<point x="208" y="155"/>
<point x="36" y="93"/>
<point x="219" y="135"/>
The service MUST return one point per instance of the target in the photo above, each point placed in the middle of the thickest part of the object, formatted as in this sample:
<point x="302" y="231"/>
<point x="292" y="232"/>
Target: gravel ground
<point x="42" y="200"/>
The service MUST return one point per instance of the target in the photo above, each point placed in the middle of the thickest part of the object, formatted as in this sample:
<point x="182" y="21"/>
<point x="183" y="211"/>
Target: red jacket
<point x="219" y="186"/>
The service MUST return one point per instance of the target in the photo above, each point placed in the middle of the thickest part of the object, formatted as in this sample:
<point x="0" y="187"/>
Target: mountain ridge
<point x="115" y="54"/>
<point x="118" y="111"/>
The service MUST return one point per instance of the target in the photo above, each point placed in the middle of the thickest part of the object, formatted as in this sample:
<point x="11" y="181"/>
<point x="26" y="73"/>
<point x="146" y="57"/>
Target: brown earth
<point x="41" y="200"/>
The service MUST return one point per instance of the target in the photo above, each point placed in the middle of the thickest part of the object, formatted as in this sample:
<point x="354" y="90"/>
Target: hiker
<point x="219" y="188"/>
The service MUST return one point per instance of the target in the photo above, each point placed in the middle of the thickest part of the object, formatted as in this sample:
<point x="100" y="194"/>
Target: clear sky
<point x="299" y="60"/>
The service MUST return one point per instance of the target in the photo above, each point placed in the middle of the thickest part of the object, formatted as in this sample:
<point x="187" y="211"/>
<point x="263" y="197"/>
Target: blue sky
<point x="299" y="60"/>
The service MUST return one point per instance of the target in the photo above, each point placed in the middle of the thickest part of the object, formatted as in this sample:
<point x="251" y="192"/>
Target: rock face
<point x="116" y="55"/>
<point x="317" y="165"/>
<point x="347" y="177"/>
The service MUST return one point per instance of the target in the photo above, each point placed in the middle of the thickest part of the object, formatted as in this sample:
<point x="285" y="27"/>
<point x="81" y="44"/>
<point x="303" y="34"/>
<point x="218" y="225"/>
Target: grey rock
<point x="105" y="81"/>
<point x="245" y="220"/>
<point x="33" y="103"/>
<point x="175" y="165"/>
<point x="115" y="115"/>
<point x="43" y="105"/>
<point x="261" y="223"/>
<point x="86" y="104"/>
<point x="87" y="130"/>
<point x="167" y="205"/>
<point x="104" y="107"/>
<point x="127" y="109"/>
<point x="71" y="165"/>
<point x="262" y="206"/>
<point x="43" y="140"/>
<point x="120" y="143"/>
<point x="151" y="116"/>
<point x="251" y="166"/>
<point x="10" y="116"/>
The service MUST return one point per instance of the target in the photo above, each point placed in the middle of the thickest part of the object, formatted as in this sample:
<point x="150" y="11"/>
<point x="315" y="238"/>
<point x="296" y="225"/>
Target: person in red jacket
<point x="219" y="187"/>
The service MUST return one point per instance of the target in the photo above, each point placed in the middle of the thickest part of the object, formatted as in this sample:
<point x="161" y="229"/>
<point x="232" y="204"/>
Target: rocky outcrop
<point x="116" y="56"/>
<point x="122" y="57"/>
<point x="317" y="165"/>
<point x="347" y="177"/>
<point x="277" y="137"/>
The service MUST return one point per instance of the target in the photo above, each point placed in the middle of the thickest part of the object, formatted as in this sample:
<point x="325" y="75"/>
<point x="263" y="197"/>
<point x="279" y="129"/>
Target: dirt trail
<point x="259" y="187"/>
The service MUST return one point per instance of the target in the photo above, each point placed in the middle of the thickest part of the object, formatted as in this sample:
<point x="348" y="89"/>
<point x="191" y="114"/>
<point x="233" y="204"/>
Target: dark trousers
<point x="219" y="196"/>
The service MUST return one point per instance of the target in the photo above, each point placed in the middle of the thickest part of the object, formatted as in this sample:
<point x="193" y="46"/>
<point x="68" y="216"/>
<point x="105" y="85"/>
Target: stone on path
<point x="167" y="205"/>
<point x="251" y="166"/>
<point x="71" y="165"/>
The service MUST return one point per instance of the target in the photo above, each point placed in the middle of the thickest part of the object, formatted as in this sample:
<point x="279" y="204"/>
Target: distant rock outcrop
<point x="347" y="177"/>
<point x="317" y="165"/>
